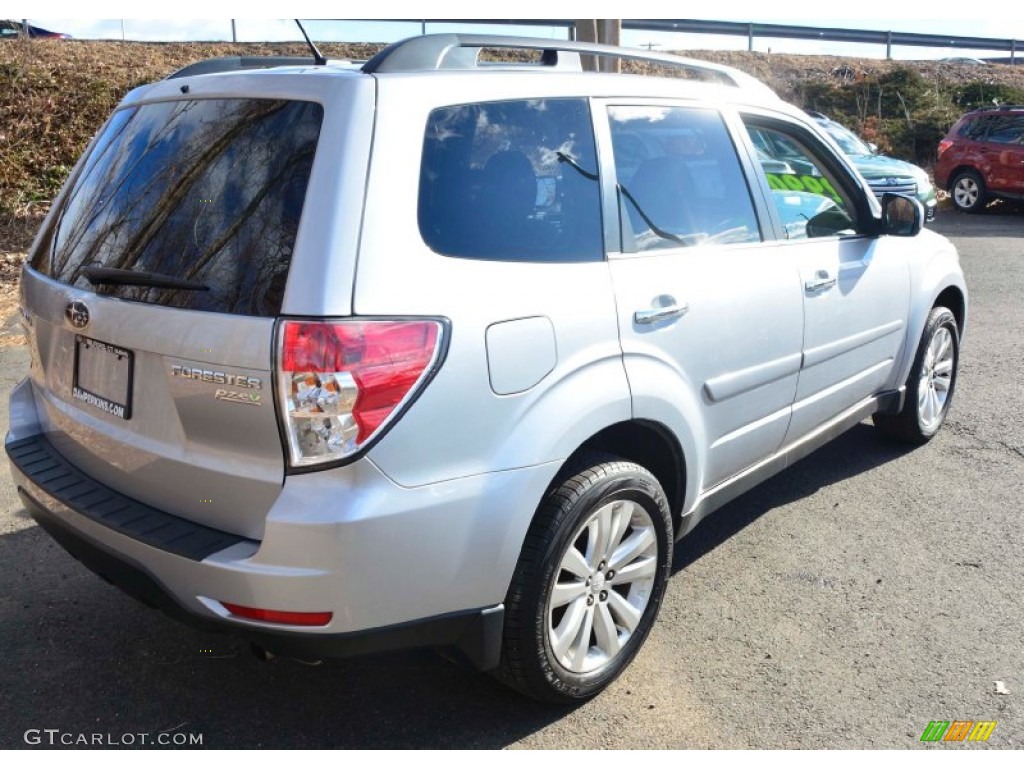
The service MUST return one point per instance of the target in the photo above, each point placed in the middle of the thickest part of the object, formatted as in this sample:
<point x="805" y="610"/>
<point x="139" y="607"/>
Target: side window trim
<point x="606" y="161"/>
<point x="771" y="228"/>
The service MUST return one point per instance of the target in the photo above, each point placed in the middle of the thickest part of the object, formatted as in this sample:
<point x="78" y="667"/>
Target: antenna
<point x="317" y="56"/>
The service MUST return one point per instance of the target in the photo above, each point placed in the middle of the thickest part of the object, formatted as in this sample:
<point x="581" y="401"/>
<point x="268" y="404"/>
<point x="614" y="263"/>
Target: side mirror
<point x="873" y="147"/>
<point x="901" y="216"/>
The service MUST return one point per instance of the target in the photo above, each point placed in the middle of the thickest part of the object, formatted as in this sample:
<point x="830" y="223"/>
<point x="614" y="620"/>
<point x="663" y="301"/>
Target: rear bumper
<point x="475" y="634"/>
<point x="396" y="566"/>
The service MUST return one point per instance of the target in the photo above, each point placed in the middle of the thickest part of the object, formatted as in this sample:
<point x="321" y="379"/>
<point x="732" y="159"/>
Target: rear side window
<point x="512" y="181"/>
<point x="680" y="182"/>
<point x="1006" y="129"/>
<point x="209" y="191"/>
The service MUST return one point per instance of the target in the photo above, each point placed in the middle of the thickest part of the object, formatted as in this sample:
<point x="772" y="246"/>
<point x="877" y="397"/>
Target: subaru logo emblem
<point x="77" y="314"/>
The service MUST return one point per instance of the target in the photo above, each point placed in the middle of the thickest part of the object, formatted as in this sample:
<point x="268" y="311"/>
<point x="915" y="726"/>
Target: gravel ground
<point x="844" y="604"/>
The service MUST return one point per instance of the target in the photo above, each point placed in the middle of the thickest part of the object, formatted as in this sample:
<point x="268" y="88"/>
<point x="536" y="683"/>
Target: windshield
<point x="847" y="140"/>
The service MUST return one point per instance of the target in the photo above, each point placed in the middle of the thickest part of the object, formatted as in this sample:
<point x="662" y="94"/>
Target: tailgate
<point x="151" y="305"/>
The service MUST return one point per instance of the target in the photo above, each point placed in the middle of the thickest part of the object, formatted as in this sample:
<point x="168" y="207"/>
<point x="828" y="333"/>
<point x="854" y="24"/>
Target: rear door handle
<point x="656" y="315"/>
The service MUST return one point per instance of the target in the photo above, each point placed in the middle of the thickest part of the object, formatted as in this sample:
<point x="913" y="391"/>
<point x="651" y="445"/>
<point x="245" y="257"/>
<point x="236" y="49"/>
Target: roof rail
<point x="427" y="53"/>
<point x="999" y="108"/>
<point x="236" y="63"/>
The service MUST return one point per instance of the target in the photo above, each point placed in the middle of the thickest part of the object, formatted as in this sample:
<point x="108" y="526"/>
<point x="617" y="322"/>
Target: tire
<point x="930" y="384"/>
<point x="968" y="191"/>
<point x="544" y="652"/>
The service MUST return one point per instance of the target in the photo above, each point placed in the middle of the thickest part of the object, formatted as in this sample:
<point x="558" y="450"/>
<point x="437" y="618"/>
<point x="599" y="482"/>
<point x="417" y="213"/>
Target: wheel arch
<point x="954" y="300"/>
<point x="648" y="443"/>
<point x="945" y="287"/>
<point x="960" y="169"/>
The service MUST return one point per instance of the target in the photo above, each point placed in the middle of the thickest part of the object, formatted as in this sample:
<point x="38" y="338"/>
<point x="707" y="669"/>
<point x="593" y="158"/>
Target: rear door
<point x="704" y="304"/>
<point x="1003" y="150"/>
<point x="152" y="301"/>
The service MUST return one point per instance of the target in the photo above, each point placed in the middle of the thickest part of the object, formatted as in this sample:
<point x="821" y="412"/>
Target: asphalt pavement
<point x="846" y="603"/>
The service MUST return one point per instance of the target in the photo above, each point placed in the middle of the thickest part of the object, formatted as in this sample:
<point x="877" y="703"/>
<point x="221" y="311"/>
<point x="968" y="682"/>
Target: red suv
<point x="982" y="158"/>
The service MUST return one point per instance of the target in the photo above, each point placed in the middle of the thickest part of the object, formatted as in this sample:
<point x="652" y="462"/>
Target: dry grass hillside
<point x="55" y="94"/>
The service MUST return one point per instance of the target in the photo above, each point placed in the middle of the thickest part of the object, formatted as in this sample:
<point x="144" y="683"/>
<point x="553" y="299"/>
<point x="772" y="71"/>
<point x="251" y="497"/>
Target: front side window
<point x="512" y="181"/>
<point x="680" y="182"/>
<point x="807" y="198"/>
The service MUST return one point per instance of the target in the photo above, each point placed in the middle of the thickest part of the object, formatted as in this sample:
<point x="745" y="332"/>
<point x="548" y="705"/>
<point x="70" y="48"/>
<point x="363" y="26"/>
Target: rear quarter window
<point x="974" y="129"/>
<point x="210" y="191"/>
<point x="511" y="181"/>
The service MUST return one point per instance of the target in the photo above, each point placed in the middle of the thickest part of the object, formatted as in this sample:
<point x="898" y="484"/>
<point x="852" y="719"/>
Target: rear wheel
<point x="968" y="192"/>
<point x="930" y="384"/>
<point x="588" y="584"/>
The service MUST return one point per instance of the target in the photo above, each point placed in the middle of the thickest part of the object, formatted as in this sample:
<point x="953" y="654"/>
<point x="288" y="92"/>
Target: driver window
<point x="808" y="201"/>
<point x="679" y="180"/>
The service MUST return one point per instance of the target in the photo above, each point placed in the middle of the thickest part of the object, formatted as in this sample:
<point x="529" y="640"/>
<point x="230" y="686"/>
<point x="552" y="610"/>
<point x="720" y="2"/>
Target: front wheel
<point x="930" y="384"/>
<point x="588" y="584"/>
<point x="968" y="192"/>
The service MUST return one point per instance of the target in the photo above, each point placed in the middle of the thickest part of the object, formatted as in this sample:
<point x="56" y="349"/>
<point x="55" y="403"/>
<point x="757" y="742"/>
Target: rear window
<point x="209" y="191"/>
<point x="513" y="181"/>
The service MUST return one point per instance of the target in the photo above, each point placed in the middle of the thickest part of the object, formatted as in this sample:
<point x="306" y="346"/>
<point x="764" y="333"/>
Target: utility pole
<point x="234" y="32"/>
<point x="605" y="31"/>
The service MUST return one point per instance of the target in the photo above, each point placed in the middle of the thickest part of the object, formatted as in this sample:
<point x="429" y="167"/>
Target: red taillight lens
<point x="943" y="146"/>
<point x="301" y="619"/>
<point x="341" y="381"/>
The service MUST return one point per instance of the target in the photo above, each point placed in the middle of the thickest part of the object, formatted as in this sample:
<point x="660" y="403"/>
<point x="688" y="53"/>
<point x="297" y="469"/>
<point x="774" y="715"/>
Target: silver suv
<point x="432" y="352"/>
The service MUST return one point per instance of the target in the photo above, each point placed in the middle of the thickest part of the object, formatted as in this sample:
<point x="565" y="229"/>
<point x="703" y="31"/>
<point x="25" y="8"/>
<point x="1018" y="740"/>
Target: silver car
<point x="426" y="352"/>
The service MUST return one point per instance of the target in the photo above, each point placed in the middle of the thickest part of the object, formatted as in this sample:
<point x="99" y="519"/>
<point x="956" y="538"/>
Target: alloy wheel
<point x="936" y="379"/>
<point x="604" y="582"/>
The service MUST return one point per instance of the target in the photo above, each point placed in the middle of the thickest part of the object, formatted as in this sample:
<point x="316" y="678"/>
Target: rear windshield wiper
<point x="114" y="276"/>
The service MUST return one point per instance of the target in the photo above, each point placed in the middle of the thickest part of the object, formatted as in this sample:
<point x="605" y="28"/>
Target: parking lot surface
<point x="846" y="603"/>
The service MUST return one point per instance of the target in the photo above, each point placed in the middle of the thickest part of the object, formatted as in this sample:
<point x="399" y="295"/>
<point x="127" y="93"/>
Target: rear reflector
<point x="341" y="382"/>
<point x="319" y="619"/>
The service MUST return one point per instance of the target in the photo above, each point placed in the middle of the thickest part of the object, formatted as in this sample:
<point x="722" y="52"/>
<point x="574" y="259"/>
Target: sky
<point x="254" y="22"/>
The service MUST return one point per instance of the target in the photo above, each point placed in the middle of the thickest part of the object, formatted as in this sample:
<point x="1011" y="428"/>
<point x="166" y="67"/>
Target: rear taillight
<point x="340" y="383"/>
<point x="943" y="146"/>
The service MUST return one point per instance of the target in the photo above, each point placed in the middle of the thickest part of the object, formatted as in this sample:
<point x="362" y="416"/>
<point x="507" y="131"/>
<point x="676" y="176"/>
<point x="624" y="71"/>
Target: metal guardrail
<point x="830" y="34"/>
<point x="750" y="30"/>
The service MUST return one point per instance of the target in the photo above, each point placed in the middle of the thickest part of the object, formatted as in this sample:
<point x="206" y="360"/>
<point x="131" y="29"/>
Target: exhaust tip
<point x="261" y="653"/>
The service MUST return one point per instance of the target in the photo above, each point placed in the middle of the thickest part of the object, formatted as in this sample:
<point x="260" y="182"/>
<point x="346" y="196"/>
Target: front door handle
<point x="656" y="315"/>
<point x="821" y="282"/>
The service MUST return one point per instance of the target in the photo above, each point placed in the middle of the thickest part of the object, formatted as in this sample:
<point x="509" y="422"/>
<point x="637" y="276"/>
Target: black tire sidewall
<point x="982" y="195"/>
<point x="939" y="317"/>
<point x="628" y="482"/>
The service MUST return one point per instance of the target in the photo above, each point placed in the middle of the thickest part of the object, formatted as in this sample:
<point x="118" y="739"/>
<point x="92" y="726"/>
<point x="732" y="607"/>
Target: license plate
<point x="103" y="376"/>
